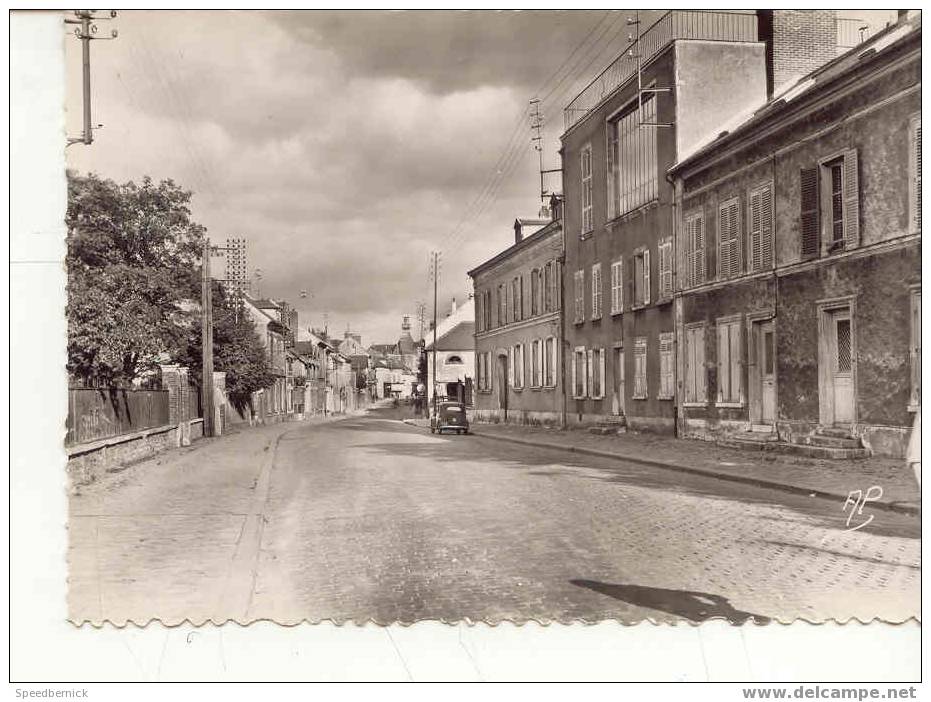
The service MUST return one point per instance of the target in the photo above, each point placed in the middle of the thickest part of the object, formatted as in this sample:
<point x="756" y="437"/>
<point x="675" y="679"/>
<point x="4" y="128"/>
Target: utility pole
<point x="85" y="33"/>
<point x="436" y="257"/>
<point x="206" y="322"/>
<point x="536" y="126"/>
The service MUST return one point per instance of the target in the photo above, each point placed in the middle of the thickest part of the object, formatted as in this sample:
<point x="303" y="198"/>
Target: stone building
<point x="518" y="328"/>
<point x="798" y="299"/>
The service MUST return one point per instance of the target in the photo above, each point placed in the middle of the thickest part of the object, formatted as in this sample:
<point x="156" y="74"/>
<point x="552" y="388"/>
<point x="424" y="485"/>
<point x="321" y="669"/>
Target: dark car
<point x="449" y="415"/>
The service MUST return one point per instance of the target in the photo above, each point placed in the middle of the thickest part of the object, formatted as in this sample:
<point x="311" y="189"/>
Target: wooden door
<point x="766" y="358"/>
<point x="841" y="365"/>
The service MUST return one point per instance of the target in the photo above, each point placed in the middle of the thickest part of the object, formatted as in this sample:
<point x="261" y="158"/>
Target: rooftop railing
<point x="675" y="24"/>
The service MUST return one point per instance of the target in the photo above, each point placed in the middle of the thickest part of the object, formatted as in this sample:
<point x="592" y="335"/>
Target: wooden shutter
<point x="631" y="280"/>
<point x="809" y="224"/>
<point x="701" y="374"/>
<point x="575" y="374"/>
<point x="915" y="350"/>
<point x="601" y="370"/>
<point x="511" y="366"/>
<point x="756" y="230"/>
<point x="646" y="277"/>
<point x="611" y="180"/>
<point x="736" y="366"/>
<point x="851" y="199"/>
<point x="588" y="373"/>
<point x="914" y="172"/>
<point x="723" y="374"/>
<point x="766" y="227"/>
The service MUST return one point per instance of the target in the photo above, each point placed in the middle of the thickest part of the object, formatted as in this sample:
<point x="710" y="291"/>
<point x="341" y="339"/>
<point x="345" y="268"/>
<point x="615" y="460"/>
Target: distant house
<point x="273" y="403"/>
<point x="454" y="373"/>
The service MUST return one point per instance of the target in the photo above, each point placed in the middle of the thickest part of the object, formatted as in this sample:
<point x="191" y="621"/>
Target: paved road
<point x="369" y="518"/>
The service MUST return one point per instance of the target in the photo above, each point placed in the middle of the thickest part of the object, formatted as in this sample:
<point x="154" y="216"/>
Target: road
<point x="369" y="518"/>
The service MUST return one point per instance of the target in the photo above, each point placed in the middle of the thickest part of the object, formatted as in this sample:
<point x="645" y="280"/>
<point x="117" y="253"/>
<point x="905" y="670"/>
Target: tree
<point x="236" y="351"/>
<point x="133" y="275"/>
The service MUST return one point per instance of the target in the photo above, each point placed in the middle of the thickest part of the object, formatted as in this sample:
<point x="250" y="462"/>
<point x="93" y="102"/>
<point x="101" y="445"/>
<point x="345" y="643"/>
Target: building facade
<point x="799" y="269"/>
<point x="634" y="121"/>
<point x="453" y="375"/>
<point x="518" y="329"/>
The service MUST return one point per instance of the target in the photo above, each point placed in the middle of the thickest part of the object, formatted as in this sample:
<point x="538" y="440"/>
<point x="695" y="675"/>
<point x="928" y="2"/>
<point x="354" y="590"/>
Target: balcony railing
<point x="675" y="24"/>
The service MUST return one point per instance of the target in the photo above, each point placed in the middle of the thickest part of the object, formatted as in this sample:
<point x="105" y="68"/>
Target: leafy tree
<point x="236" y="351"/>
<point x="133" y="274"/>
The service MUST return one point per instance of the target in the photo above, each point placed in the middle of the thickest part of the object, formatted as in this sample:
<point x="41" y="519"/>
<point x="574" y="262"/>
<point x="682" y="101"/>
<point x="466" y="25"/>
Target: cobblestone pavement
<point x="369" y="518"/>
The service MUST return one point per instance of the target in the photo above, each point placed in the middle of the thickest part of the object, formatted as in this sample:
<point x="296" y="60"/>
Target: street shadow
<point x="688" y="604"/>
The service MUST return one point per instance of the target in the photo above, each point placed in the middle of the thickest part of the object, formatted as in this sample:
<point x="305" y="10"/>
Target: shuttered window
<point x="635" y="162"/>
<point x="536" y="367"/>
<point x="665" y="268"/>
<point x="809" y="224"/>
<point x="761" y="228"/>
<point x="597" y="373"/>
<point x="642" y="277"/>
<point x="666" y="367"/>
<point x="729" y="239"/>
<point x="579" y="290"/>
<point x="612" y="189"/>
<point x="517" y="378"/>
<point x="695" y="249"/>
<point x="914" y="174"/>
<point x="579" y="372"/>
<point x="695" y="365"/>
<point x="617" y="286"/>
<point x="915" y="349"/>
<point x="596" y="291"/>
<point x="587" y="220"/>
<point x="730" y="362"/>
<point x="549" y="362"/>
<point x="534" y="292"/>
<point x="640" y="368"/>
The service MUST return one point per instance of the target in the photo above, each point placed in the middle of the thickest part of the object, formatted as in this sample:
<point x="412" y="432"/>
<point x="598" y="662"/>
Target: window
<point x="518" y="373"/>
<point x="482" y="371"/>
<point x="502" y="306"/>
<point x="549" y="362"/>
<point x="454" y="360"/>
<point x="596" y="291"/>
<point x="517" y="299"/>
<point x="587" y="220"/>
<point x="695" y="365"/>
<point x="596" y="370"/>
<point x="632" y="162"/>
<point x="642" y="277"/>
<point x="579" y="289"/>
<point x="640" y="368"/>
<point x="914" y="401"/>
<point x="548" y="296"/>
<point x="914" y="173"/>
<point x="761" y="228"/>
<point x="579" y="372"/>
<point x="665" y="268"/>
<point x="617" y="286"/>
<point x="480" y="312"/>
<point x="829" y="199"/>
<point x="730" y="376"/>
<point x="535" y="306"/>
<point x="536" y="367"/>
<point x="667" y="375"/>
<point x="729" y="239"/>
<point x="694" y="231"/>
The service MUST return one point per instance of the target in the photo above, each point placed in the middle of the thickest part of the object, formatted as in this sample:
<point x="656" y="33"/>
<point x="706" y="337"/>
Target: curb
<point x="748" y="480"/>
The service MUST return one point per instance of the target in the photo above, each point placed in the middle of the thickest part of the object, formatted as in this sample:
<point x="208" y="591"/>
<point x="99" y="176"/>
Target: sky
<point x="343" y="146"/>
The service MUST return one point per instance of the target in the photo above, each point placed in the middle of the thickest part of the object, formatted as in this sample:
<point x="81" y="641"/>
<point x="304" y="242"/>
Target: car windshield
<point x="451" y="408"/>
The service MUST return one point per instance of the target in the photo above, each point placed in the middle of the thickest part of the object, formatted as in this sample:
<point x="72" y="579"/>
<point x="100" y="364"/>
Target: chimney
<point x="518" y="234"/>
<point x="406" y="323"/>
<point x="797" y="43"/>
<point x="453" y="308"/>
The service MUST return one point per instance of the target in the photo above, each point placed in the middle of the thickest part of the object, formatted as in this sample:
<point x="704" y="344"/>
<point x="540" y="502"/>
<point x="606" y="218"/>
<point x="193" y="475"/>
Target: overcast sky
<point x="343" y="146"/>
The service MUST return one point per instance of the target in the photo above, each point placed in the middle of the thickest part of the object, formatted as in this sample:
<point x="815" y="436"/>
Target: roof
<point x="463" y="316"/>
<point x="459" y="338"/>
<point x="787" y="96"/>
<point x="551" y="227"/>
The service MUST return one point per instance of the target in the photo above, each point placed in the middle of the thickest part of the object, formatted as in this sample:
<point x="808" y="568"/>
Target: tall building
<point x="671" y="91"/>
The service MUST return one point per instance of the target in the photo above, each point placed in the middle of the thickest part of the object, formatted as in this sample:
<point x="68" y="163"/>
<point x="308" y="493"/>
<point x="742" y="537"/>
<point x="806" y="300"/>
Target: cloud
<point x="343" y="147"/>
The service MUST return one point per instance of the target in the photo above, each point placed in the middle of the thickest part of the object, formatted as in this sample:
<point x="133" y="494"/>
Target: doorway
<point x="503" y="384"/>
<point x="763" y="372"/>
<point x="837" y="367"/>
<point x="620" y="389"/>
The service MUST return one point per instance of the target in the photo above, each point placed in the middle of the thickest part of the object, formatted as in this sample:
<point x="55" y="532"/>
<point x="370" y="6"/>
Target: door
<point x="503" y="383"/>
<point x="620" y="387"/>
<point x="841" y="365"/>
<point x="766" y="358"/>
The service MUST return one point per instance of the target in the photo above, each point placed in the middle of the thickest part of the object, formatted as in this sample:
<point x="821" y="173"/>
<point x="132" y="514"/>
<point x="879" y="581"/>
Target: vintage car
<point x="449" y="415"/>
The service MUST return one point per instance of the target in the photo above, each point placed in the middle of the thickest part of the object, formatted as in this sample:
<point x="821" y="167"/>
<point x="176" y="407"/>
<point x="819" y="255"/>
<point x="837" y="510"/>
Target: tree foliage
<point x="236" y="351"/>
<point x="133" y="275"/>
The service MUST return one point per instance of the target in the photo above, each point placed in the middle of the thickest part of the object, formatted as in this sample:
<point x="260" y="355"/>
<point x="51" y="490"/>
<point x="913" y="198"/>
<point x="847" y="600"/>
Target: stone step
<point x="744" y="442"/>
<point x="762" y="429"/>
<point x="837" y="432"/>
<point x="833" y="441"/>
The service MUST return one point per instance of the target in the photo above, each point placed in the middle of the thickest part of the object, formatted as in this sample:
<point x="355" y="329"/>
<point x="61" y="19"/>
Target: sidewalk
<point x="830" y="479"/>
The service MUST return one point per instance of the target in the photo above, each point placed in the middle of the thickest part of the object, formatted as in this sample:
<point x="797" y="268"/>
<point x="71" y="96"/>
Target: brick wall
<point x="803" y="40"/>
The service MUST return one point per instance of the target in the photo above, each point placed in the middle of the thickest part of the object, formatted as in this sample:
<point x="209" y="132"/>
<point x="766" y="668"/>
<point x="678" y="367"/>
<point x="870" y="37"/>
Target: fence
<point x="101" y="413"/>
